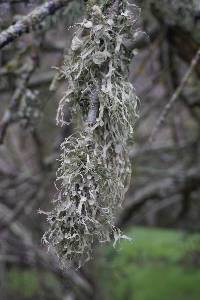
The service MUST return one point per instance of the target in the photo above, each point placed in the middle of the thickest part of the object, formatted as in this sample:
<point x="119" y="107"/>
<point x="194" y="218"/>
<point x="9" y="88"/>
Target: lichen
<point x="94" y="171"/>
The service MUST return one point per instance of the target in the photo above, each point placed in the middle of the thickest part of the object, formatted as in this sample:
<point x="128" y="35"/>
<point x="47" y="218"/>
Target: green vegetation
<point x="23" y="282"/>
<point x="30" y="283"/>
<point x="158" y="264"/>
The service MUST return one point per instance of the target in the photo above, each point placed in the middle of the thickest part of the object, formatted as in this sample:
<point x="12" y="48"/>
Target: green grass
<point x="158" y="264"/>
<point x="23" y="282"/>
<point x="31" y="284"/>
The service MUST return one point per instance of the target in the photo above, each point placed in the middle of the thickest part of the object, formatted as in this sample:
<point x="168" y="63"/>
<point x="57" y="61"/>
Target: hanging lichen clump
<point x="94" y="167"/>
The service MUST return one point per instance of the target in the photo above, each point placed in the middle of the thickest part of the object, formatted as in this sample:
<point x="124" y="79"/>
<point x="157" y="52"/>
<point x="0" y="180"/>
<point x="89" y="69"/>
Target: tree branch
<point x="27" y="23"/>
<point x="10" y="114"/>
<point x="179" y="184"/>
<point x="174" y="97"/>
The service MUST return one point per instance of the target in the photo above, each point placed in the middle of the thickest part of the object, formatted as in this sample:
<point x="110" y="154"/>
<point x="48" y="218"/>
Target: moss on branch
<point x="28" y="23"/>
<point x="94" y="171"/>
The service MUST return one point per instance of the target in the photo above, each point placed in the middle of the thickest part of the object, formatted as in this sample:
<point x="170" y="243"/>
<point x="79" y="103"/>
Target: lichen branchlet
<point x="94" y="171"/>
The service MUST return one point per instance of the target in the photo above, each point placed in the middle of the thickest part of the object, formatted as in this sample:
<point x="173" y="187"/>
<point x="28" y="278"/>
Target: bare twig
<point x="27" y="23"/>
<point x="174" y="97"/>
<point x="8" y="117"/>
<point x="179" y="184"/>
<point x="18" y="211"/>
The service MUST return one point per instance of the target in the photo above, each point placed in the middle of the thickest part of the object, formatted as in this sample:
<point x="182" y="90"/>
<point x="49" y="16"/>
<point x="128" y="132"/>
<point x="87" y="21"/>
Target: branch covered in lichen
<point x="94" y="171"/>
<point x="27" y="23"/>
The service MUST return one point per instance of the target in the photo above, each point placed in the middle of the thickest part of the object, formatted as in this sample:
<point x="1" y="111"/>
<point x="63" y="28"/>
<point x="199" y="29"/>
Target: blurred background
<point x="161" y="211"/>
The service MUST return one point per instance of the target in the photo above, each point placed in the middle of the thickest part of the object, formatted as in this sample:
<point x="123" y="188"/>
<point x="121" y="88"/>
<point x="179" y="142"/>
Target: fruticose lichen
<point x="94" y="171"/>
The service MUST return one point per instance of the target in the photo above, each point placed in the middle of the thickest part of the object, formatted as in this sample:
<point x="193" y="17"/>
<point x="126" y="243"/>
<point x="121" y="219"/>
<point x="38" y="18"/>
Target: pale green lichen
<point x="94" y="171"/>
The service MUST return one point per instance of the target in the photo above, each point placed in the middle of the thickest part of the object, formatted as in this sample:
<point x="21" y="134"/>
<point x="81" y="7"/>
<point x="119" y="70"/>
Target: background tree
<point x="164" y="190"/>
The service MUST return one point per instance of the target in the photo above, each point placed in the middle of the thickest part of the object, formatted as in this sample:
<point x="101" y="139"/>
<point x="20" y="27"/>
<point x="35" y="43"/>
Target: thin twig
<point x="171" y="186"/>
<point x="27" y="23"/>
<point x="10" y="114"/>
<point x="174" y="97"/>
